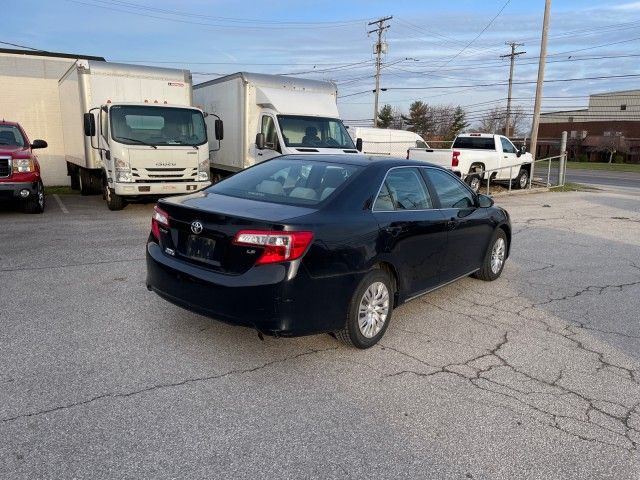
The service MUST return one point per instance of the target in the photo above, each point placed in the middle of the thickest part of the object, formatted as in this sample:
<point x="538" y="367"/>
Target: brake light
<point x="455" y="160"/>
<point x="160" y="217"/>
<point x="278" y="246"/>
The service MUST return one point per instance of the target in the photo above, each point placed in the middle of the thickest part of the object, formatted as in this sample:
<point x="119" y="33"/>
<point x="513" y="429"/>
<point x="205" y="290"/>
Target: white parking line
<point x="60" y="204"/>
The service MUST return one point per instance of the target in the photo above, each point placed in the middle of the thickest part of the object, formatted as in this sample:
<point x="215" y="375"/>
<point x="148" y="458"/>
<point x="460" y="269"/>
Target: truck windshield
<point x="475" y="143"/>
<point x="135" y="125"/>
<point x="11" y="135"/>
<point x="314" y="132"/>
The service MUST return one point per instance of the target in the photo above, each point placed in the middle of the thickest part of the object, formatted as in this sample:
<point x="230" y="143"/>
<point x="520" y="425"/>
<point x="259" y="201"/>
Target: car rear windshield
<point x="477" y="143"/>
<point x="292" y="182"/>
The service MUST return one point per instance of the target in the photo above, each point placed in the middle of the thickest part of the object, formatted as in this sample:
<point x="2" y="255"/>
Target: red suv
<point x="19" y="168"/>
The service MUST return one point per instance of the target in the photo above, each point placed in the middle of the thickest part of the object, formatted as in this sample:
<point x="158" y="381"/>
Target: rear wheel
<point x="369" y="312"/>
<point x="114" y="202"/>
<point x="522" y="180"/>
<point x="35" y="202"/>
<point x="494" y="258"/>
<point x="474" y="181"/>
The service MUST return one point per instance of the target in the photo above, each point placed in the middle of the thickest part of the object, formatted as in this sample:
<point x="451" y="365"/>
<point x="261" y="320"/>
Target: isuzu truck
<point x="131" y="131"/>
<point x="269" y="115"/>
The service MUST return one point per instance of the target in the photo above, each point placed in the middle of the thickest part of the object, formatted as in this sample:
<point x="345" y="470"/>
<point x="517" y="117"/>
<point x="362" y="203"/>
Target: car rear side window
<point x="451" y="191"/>
<point x="403" y="189"/>
<point x="291" y="182"/>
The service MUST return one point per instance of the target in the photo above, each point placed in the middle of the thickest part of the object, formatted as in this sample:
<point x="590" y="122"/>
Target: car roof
<point x="360" y="160"/>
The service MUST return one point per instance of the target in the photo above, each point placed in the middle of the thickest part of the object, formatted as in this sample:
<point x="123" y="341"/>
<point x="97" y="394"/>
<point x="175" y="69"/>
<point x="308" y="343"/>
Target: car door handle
<point x="259" y="154"/>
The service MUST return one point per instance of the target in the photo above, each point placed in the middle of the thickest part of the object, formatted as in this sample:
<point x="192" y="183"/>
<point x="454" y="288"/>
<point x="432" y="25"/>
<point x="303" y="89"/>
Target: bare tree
<point x="611" y="144"/>
<point x="494" y="121"/>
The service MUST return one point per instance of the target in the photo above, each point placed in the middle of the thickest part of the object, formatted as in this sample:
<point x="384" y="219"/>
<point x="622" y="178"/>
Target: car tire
<point x="494" y="258"/>
<point x="35" y="203"/>
<point x="522" y="180"/>
<point x="114" y="202"/>
<point x="370" y="311"/>
<point x="474" y="181"/>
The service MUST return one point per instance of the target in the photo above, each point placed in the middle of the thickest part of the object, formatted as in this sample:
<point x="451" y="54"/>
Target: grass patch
<point x="573" y="187"/>
<point x="606" y="167"/>
<point x="60" y="190"/>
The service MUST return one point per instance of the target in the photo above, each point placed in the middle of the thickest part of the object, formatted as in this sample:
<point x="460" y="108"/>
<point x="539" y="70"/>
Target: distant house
<point x="609" y="126"/>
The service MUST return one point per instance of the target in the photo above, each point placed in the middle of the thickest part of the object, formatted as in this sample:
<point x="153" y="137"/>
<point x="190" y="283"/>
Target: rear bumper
<point x="278" y="299"/>
<point x="158" y="189"/>
<point x="11" y="190"/>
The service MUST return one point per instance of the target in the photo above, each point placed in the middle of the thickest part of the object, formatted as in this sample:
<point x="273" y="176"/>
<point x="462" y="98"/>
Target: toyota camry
<point x="306" y="244"/>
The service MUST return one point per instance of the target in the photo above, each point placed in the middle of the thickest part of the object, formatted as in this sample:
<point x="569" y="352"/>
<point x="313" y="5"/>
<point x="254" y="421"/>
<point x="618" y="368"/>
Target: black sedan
<point x="305" y="244"/>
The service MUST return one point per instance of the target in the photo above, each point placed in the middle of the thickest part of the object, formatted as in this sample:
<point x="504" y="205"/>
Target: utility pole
<point x="513" y="54"/>
<point x="379" y="46"/>
<point x="541" y="64"/>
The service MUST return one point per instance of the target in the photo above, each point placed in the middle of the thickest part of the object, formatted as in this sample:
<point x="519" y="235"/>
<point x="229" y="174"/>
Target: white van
<point x="386" y="141"/>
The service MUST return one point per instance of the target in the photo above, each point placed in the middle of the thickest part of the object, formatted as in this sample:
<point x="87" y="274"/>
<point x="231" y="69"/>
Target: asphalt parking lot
<point x="535" y="375"/>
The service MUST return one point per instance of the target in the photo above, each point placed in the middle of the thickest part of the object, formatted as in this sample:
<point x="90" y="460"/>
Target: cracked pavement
<point x="536" y="375"/>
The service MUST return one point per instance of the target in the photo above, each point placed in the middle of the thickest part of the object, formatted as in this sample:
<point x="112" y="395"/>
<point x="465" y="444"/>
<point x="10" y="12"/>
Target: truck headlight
<point x="203" y="170"/>
<point x="124" y="177"/>
<point x="23" y="165"/>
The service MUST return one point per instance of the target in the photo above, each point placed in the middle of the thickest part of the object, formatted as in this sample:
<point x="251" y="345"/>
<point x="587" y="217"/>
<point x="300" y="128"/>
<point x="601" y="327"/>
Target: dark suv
<point x="19" y="168"/>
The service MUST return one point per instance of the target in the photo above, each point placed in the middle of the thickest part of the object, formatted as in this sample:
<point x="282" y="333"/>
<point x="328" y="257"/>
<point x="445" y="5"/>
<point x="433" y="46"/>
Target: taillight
<point x="455" y="158"/>
<point x="160" y="217"/>
<point x="278" y="246"/>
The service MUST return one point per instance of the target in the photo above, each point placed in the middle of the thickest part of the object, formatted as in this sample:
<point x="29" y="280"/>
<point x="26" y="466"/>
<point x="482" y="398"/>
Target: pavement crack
<point x="154" y="387"/>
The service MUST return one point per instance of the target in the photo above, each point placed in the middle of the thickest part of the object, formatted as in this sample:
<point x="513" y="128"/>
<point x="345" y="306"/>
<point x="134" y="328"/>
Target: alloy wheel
<point x="497" y="255"/>
<point x="373" y="310"/>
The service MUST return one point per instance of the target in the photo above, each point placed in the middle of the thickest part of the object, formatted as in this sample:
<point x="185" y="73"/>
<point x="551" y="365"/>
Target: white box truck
<point x="386" y="141"/>
<point x="131" y="131"/>
<point x="270" y="115"/>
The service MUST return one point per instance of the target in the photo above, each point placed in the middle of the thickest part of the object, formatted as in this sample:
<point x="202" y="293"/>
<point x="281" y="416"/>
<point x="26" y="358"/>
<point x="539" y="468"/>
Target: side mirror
<point x="89" y="125"/>
<point x="39" y="144"/>
<point x="260" y="141"/>
<point x="218" y="128"/>
<point x="523" y="149"/>
<point x="485" y="201"/>
<point x="359" y="144"/>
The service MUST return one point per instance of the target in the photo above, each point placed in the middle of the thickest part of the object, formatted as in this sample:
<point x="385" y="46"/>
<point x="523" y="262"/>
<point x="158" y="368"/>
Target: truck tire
<point x="374" y="298"/>
<point x="85" y="181"/>
<point x="35" y="203"/>
<point x="75" y="179"/>
<point x="114" y="202"/>
<point x="494" y="258"/>
<point x="522" y="180"/>
<point x="474" y="181"/>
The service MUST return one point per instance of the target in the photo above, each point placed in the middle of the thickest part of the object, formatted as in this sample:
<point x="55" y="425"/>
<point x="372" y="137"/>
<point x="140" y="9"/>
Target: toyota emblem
<point x="196" y="227"/>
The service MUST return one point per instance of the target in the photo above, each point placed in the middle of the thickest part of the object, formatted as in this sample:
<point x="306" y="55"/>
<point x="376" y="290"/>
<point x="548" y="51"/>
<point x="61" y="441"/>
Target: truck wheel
<point x="35" y="203"/>
<point x="75" y="179"/>
<point x="114" y="202"/>
<point x="494" y="258"/>
<point x="369" y="312"/>
<point x="84" y="181"/>
<point x="474" y="181"/>
<point x="522" y="180"/>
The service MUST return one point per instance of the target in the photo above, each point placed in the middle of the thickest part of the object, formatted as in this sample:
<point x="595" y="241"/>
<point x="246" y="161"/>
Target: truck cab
<point x="148" y="149"/>
<point x="281" y="134"/>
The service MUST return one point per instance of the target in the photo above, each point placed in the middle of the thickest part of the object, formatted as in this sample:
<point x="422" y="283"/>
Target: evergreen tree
<point x="385" y="116"/>
<point x="420" y="119"/>
<point x="458" y="124"/>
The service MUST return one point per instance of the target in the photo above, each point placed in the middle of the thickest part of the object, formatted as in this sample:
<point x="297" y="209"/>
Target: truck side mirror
<point x="260" y="141"/>
<point x="523" y="149"/>
<point x="218" y="128"/>
<point x="89" y="125"/>
<point x="39" y="144"/>
<point x="359" y="144"/>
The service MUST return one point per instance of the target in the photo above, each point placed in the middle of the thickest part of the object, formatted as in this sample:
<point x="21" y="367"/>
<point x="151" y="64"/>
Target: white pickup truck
<point x="475" y="157"/>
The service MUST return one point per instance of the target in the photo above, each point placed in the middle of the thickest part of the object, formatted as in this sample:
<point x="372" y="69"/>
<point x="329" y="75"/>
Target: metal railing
<point x="561" y="169"/>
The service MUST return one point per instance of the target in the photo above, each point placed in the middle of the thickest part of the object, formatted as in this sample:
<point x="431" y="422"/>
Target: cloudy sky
<point x="441" y="52"/>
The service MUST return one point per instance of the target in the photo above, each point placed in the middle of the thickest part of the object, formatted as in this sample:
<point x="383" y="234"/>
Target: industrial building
<point x="29" y="96"/>
<point x="608" y="127"/>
